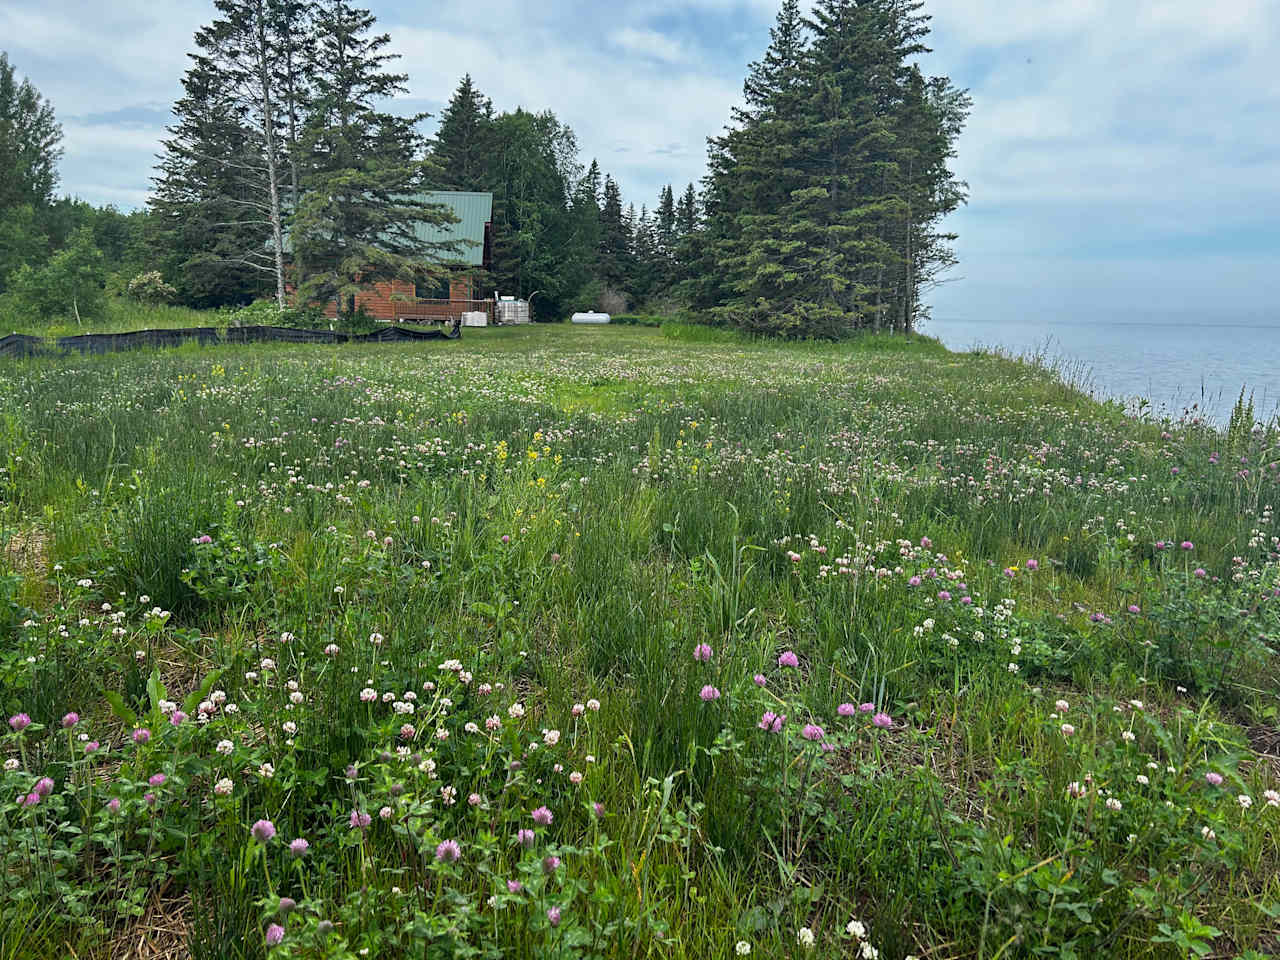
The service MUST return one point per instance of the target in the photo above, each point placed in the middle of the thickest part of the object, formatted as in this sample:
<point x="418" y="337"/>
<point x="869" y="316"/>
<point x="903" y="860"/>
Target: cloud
<point x="1132" y="130"/>
<point x="645" y="119"/>
<point x="650" y="44"/>
<point x="1121" y="151"/>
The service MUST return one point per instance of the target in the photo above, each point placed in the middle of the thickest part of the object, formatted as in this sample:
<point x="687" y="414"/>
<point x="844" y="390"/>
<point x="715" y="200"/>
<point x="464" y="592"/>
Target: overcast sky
<point x="1123" y="155"/>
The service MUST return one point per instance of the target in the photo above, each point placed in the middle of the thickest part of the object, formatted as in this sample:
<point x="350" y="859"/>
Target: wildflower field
<point x="603" y="643"/>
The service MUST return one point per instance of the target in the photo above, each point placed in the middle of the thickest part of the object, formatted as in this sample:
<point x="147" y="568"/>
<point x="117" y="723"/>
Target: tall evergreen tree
<point x="614" y="265"/>
<point x="818" y="195"/>
<point x="236" y="127"/>
<point x="357" y="217"/>
<point x="465" y="140"/>
<point x="593" y="184"/>
<point x="208" y="227"/>
<point x="664" y="227"/>
<point x="644" y="256"/>
<point x="244" y="45"/>
<point x="778" y="71"/>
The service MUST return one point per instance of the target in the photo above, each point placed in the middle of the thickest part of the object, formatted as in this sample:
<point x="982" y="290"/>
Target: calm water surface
<point x="1172" y="364"/>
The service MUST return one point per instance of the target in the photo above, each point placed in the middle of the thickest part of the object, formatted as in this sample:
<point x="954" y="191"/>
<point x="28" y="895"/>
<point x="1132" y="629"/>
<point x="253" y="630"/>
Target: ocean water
<point x="1175" y="365"/>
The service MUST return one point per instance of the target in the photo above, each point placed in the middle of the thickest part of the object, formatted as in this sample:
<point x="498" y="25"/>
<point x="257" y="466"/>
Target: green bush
<point x="70" y="284"/>
<point x="150" y="288"/>
<point x="258" y="313"/>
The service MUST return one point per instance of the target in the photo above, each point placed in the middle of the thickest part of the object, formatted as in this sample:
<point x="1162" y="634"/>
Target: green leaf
<point x="118" y="708"/>
<point x="196" y="696"/>
<point x="156" y="689"/>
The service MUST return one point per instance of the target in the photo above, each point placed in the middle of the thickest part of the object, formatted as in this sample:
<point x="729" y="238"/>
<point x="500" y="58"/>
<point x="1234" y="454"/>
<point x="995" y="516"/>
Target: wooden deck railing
<point x="440" y="309"/>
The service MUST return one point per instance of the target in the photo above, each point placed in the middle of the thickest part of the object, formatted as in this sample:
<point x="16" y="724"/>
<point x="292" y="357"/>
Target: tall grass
<point x="121" y="316"/>
<point x="571" y="514"/>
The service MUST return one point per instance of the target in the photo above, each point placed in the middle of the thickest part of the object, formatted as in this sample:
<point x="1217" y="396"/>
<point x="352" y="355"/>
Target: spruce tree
<point x="644" y="257"/>
<point x="817" y="195"/>
<point x="464" y="143"/>
<point x="208" y="225"/>
<point x="236" y="128"/>
<point x="357" y="217"/>
<point x="614" y="267"/>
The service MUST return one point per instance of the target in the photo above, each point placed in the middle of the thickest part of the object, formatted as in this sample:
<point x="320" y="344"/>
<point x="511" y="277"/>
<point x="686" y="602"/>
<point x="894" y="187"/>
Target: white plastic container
<point x="475" y="318"/>
<point x="590" y="318"/>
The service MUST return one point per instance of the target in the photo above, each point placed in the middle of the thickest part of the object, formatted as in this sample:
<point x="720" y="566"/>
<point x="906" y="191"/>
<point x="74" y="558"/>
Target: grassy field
<point x="562" y="642"/>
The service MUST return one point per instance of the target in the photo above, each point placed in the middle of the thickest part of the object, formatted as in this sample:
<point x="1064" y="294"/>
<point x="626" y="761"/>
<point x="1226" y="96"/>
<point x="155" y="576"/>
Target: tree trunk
<point x="267" y="110"/>
<point x="908" y="313"/>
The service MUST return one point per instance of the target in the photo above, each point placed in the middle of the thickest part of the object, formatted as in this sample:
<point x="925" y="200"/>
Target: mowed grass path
<point x="598" y="642"/>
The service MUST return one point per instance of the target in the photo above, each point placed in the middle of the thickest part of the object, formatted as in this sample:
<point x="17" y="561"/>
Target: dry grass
<point x="27" y="552"/>
<point x="159" y="934"/>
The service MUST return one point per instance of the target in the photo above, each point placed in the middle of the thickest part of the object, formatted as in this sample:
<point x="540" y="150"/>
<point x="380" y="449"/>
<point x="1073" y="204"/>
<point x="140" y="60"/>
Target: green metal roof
<point x="473" y="211"/>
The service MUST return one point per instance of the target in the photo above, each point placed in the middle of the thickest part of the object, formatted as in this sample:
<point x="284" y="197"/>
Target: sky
<point x="1123" y="156"/>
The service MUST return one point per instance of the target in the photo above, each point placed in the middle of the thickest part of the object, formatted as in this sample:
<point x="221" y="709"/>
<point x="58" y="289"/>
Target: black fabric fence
<point x="22" y="345"/>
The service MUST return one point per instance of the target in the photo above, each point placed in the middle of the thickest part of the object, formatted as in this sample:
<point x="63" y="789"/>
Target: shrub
<point x="258" y="313"/>
<point x="150" y="288"/>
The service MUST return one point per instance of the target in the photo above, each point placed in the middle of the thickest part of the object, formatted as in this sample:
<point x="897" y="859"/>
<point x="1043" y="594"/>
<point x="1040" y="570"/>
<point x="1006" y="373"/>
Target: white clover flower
<point x="289" y="727"/>
<point x="742" y="948"/>
<point x="225" y="747"/>
<point x="223" y="787"/>
<point x="515" y="711"/>
<point x="297" y="697"/>
<point x="855" y="929"/>
<point x="267" y="771"/>
<point x="1245" y="801"/>
<point x="11" y="764"/>
<point x="804" y="937"/>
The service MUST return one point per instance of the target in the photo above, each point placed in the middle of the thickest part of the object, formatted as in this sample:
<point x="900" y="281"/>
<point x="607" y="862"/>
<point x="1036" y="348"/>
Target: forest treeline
<point x="285" y="177"/>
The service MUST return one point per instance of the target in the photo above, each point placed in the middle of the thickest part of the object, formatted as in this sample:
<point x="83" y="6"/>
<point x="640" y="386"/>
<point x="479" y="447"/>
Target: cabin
<point x="396" y="301"/>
